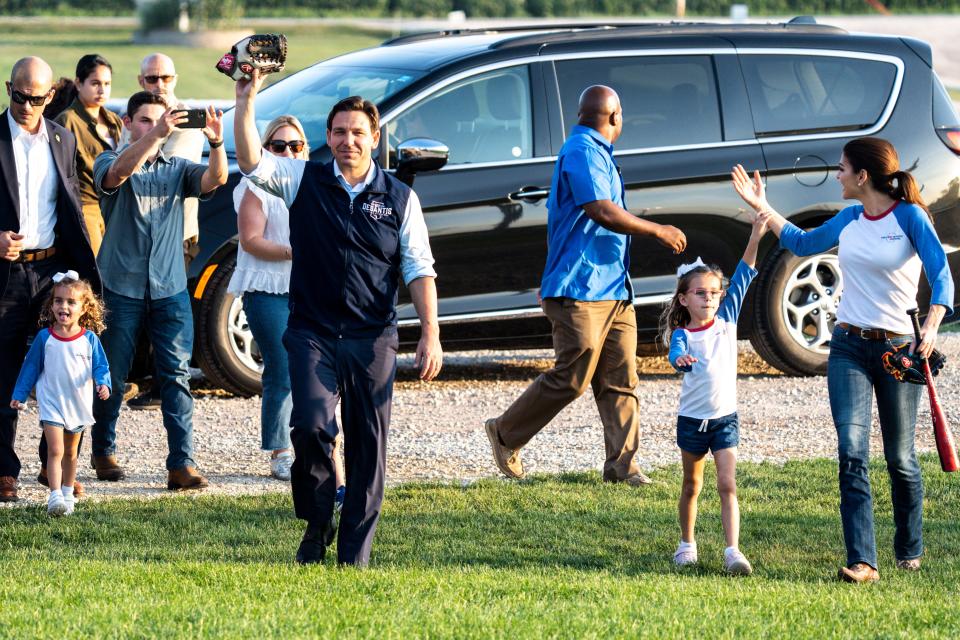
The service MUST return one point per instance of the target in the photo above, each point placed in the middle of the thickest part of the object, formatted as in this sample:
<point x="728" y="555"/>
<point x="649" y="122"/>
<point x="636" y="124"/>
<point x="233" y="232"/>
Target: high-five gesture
<point x="752" y="191"/>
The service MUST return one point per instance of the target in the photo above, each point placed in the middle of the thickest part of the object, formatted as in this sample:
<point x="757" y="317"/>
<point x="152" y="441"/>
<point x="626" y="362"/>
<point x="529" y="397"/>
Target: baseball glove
<point x="908" y="367"/>
<point x="266" y="52"/>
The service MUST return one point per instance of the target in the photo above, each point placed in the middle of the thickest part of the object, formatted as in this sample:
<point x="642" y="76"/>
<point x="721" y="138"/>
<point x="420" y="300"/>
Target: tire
<point x="225" y="349"/>
<point x="794" y="310"/>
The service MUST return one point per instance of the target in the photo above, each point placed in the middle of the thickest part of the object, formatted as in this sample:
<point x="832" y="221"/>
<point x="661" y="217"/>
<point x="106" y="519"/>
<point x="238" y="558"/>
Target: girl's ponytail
<point x="906" y="189"/>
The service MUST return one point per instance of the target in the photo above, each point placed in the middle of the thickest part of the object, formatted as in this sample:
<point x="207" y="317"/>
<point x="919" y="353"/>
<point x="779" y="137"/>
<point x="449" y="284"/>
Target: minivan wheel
<point x="225" y="349"/>
<point x="794" y="310"/>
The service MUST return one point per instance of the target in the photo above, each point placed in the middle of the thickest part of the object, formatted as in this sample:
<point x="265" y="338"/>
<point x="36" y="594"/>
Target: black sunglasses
<point x="277" y="146"/>
<point x="154" y="79"/>
<point x="22" y="98"/>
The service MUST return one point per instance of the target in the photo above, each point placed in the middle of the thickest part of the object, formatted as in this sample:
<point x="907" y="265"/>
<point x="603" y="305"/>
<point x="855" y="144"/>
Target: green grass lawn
<point x="564" y="557"/>
<point x="62" y="45"/>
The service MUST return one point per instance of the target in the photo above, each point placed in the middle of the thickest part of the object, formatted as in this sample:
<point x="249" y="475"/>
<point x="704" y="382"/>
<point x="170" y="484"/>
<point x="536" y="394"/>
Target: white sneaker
<point x="736" y="563"/>
<point x="685" y="555"/>
<point x="71" y="503"/>
<point x="280" y="466"/>
<point x="56" y="505"/>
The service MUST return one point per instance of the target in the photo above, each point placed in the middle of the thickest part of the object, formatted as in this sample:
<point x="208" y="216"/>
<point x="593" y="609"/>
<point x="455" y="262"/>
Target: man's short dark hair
<point x="355" y="103"/>
<point x="141" y="98"/>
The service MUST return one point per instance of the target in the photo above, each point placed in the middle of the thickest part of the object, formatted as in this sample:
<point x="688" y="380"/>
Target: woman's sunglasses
<point x="22" y="98"/>
<point x="277" y="146"/>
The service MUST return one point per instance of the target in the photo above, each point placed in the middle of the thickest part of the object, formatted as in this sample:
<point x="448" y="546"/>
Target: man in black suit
<point x="41" y="232"/>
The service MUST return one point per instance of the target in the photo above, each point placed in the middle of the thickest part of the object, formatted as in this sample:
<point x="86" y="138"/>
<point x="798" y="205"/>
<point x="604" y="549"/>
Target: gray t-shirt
<point x="142" y="250"/>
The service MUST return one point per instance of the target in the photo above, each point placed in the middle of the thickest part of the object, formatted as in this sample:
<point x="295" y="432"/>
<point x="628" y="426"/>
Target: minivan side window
<point x="666" y="100"/>
<point x="792" y="94"/>
<point x="484" y="118"/>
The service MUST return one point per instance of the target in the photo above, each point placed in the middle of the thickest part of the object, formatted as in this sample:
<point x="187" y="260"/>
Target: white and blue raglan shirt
<point x="709" y="387"/>
<point x="880" y="259"/>
<point x="64" y="370"/>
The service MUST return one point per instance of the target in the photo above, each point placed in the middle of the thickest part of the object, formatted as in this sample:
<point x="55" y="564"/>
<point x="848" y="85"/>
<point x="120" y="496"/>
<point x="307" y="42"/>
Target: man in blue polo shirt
<point x="588" y="297"/>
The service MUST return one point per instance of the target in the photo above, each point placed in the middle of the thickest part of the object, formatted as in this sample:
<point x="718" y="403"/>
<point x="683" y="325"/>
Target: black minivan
<point x="697" y="99"/>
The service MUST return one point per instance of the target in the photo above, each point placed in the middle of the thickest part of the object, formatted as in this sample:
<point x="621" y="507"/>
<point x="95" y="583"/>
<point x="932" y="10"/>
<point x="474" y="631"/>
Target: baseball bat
<point x="941" y="428"/>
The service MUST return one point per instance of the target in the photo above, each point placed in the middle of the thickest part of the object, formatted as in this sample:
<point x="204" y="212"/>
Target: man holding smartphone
<point x="142" y="200"/>
<point x="158" y="75"/>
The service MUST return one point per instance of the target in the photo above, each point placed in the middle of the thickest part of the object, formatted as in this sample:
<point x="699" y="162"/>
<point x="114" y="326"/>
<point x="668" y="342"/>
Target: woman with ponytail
<point x="884" y="242"/>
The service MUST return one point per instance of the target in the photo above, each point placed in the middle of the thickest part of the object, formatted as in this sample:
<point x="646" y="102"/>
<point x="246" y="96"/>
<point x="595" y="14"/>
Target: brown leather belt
<point x="871" y="334"/>
<point x="35" y="255"/>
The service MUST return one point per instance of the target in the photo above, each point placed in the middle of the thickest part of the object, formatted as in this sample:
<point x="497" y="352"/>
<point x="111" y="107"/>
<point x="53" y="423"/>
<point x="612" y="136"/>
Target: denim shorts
<point x="47" y="423"/>
<point x="698" y="436"/>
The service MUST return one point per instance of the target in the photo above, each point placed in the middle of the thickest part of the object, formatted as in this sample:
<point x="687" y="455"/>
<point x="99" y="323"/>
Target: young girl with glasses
<point x="65" y="362"/>
<point x="700" y="326"/>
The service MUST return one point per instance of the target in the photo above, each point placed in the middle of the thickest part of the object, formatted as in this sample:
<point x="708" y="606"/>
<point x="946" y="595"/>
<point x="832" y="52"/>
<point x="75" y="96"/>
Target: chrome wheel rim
<point x="240" y="337"/>
<point x="810" y="300"/>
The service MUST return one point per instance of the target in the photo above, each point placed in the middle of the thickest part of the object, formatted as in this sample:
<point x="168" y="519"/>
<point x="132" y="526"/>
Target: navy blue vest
<point x="346" y="266"/>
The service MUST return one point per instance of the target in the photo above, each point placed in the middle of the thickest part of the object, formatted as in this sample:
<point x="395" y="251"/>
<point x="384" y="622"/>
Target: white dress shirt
<point x="37" y="185"/>
<point x="281" y="177"/>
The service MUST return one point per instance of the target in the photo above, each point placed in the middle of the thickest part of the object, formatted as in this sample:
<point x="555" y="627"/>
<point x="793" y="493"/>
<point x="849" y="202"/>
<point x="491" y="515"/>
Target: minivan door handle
<point x="529" y="194"/>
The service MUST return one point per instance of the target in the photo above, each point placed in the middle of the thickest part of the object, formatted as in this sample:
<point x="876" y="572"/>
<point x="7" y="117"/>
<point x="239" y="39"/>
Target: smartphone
<point x="196" y="118"/>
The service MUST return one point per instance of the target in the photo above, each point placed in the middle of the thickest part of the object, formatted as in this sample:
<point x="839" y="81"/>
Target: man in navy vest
<point x="354" y="231"/>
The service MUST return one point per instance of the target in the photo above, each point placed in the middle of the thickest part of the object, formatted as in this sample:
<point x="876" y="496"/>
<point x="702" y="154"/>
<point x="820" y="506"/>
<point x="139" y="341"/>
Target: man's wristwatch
<point x="216" y="143"/>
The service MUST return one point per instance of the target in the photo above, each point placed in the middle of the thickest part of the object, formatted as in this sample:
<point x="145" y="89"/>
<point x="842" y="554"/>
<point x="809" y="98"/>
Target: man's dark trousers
<point x="359" y="372"/>
<point x="27" y="289"/>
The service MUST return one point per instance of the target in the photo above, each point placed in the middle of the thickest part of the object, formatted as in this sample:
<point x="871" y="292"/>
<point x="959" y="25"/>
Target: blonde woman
<point x="262" y="277"/>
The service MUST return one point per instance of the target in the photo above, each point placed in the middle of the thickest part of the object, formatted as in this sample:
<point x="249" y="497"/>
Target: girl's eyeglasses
<point x="278" y="146"/>
<point x="705" y="293"/>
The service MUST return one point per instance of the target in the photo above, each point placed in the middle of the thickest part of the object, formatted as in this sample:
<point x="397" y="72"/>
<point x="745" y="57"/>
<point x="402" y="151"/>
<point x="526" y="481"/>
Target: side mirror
<point x="419" y="154"/>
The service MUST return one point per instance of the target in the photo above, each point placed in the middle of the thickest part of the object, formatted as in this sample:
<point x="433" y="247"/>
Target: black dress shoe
<point x="316" y="538"/>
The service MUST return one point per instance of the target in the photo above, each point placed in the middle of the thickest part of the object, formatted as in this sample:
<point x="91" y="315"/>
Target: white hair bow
<point x="72" y="275"/>
<point x="684" y="269"/>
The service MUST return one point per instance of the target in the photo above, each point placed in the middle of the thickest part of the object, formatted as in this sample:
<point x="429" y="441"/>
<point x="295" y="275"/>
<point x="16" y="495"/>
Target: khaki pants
<point x="596" y="344"/>
<point x="93" y="220"/>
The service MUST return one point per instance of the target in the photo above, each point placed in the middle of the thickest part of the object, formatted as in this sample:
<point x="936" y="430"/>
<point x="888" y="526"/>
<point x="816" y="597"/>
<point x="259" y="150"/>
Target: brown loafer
<point x="858" y="572"/>
<point x="185" y="478"/>
<point x="8" y="489"/>
<point x="107" y="468"/>
<point x="508" y="460"/>
<point x="78" y="491"/>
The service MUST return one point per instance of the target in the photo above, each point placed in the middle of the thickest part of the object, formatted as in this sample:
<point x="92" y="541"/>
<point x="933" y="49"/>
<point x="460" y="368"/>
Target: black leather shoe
<point x="316" y="538"/>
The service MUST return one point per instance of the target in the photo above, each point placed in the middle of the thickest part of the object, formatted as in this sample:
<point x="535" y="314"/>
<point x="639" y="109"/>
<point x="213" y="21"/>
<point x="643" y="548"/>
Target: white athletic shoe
<point x="56" y="505"/>
<point x="685" y="555"/>
<point x="736" y="563"/>
<point x="280" y="466"/>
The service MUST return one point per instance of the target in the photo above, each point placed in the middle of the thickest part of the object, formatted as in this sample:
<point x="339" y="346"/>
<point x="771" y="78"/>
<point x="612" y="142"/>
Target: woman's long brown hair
<point x="879" y="159"/>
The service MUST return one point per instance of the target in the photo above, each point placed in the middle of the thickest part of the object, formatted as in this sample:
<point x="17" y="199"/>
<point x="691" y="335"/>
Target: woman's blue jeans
<point x="855" y="375"/>
<point x="267" y="315"/>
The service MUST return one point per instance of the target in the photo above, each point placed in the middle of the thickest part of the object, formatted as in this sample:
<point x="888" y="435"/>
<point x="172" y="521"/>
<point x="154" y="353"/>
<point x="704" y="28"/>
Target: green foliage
<point x="220" y="10"/>
<point x="203" y="14"/>
<point x="215" y="14"/>
<point x="159" y="14"/>
<point x="551" y="557"/>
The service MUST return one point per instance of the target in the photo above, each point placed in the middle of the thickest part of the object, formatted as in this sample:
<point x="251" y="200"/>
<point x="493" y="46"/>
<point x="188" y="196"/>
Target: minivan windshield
<point x="310" y="94"/>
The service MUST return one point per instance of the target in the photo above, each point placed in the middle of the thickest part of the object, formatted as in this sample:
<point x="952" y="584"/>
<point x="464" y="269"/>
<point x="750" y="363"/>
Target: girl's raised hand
<point x="686" y="360"/>
<point x="752" y="191"/>
<point x="103" y="392"/>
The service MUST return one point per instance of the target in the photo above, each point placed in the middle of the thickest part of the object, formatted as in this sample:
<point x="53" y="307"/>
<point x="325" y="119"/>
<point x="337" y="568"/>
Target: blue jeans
<point x="267" y="315"/>
<point x="854" y="374"/>
<point x="169" y="323"/>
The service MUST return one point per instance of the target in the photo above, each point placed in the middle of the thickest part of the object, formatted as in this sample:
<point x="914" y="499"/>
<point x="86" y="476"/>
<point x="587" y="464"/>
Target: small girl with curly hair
<point x="700" y="326"/>
<point x="65" y="361"/>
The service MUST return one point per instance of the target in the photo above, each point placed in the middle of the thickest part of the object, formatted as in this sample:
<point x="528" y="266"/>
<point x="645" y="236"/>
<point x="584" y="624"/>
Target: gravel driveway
<point x="437" y="431"/>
